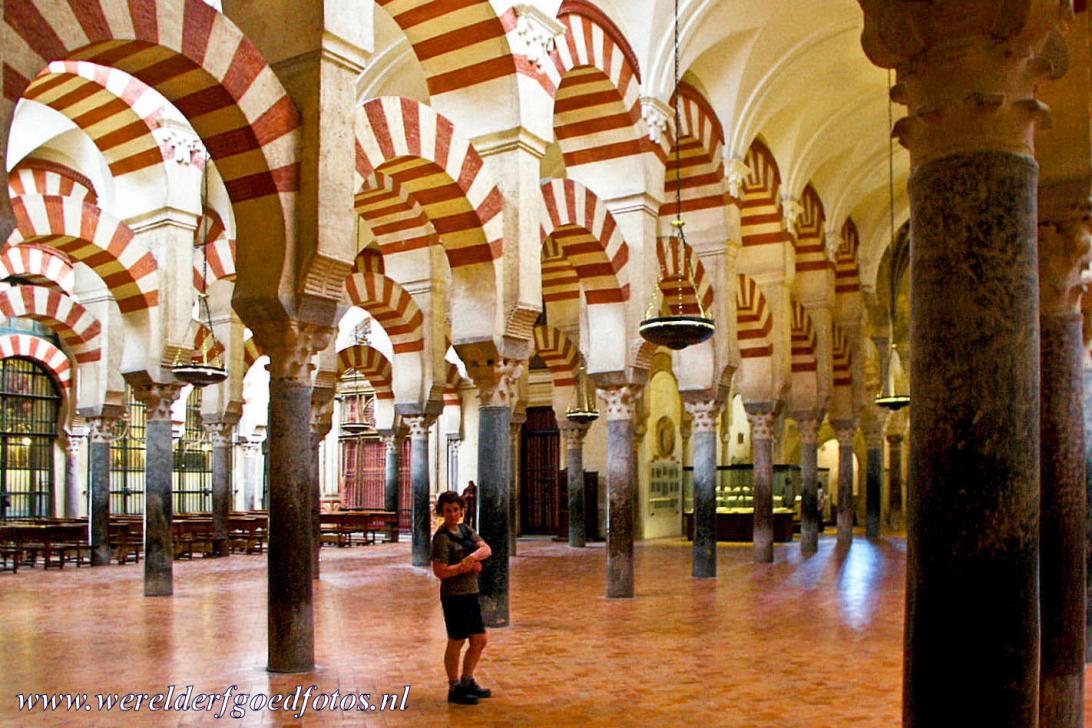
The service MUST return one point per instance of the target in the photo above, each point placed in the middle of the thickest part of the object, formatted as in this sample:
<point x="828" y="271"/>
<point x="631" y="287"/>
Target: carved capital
<point x="845" y="431"/>
<point x="762" y="425"/>
<point x="967" y="69"/>
<point x="158" y="398"/>
<point x="72" y="445"/>
<point x="791" y="210"/>
<point x="808" y="424"/>
<point x="220" y="433"/>
<point x="574" y="436"/>
<point x="180" y="145"/>
<point x="322" y="418"/>
<point x="252" y="448"/>
<point x="392" y="442"/>
<point x="894" y="440"/>
<point x="536" y="31"/>
<point x="703" y="414"/>
<point x="1065" y="247"/>
<point x="418" y="425"/>
<point x="106" y="429"/>
<point x="735" y="174"/>
<point x="498" y="385"/>
<point x="620" y="401"/>
<point x="656" y="115"/>
<point x="290" y="348"/>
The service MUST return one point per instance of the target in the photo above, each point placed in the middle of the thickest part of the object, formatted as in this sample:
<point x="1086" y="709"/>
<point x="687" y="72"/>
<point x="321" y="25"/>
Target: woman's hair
<point x="449" y="496"/>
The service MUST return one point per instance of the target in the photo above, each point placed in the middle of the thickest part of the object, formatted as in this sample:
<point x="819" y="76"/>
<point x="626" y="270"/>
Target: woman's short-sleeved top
<point x="449" y="549"/>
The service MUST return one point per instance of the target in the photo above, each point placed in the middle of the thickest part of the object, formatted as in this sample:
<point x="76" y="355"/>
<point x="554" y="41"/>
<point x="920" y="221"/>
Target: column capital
<point x="158" y="398"/>
<point x="252" y="448"/>
<point x="322" y="417"/>
<point x="498" y="385"/>
<point x="392" y="441"/>
<point x="291" y="347"/>
<point x="418" y="425"/>
<point x="762" y="425"/>
<point x="845" y="431"/>
<point x="1065" y="245"/>
<point x="620" y="400"/>
<point x="808" y="424"/>
<point x="220" y="433"/>
<point x="894" y="440"/>
<point x="703" y="414"/>
<point x="967" y="70"/>
<point x="574" y="435"/>
<point x="72" y="444"/>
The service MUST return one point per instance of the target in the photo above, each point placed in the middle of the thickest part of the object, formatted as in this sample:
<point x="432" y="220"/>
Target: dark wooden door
<point x="540" y="449"/>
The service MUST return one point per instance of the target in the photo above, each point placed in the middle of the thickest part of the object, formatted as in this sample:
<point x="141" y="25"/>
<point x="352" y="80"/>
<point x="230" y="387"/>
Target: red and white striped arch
<point x="559" y="280"/>
<point x="847" y="273"/>
<point x="588" y="237"/>
<point x="396" y="220"/>
<point x="391" y="306"/>
<point x="199" y="61"/>
<point x="701" y="156"/>
<point x="439" y="169"/>
<point x="78" y="329"/>
<point x="42" y="177"/>
<point x="220" y="251"/>
<point x="811" y="249"/>
<point x="39" y="266"/>
<point x="369" y="260"/>
<point x="41" y="351"/>
<point x="803" y="341"/>
<point x="206" y="347"/>
<point x="94" y="237"/>
<point x="597" y="107"/>
<point x="117" y="111"/>
<point x="674" y="261"/>
<point x="559" y="354"/>
<point x="761" y="204"/>
<point x="371" y="364"/>
<point x="843" y="358"/>
<point x="754" y="320"/>
<point x="459" y="44"/>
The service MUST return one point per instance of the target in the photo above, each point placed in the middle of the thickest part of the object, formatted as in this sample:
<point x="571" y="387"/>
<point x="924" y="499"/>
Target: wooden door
<point x="540" y="455"/>
<point x="363" y="473"/>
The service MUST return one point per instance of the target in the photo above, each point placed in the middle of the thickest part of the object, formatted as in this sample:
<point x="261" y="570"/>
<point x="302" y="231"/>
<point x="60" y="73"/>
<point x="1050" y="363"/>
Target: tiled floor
<point x="813" y="642"/>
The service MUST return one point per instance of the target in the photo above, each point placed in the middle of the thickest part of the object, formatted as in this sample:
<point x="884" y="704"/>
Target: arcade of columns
<point x="455" y="245"/>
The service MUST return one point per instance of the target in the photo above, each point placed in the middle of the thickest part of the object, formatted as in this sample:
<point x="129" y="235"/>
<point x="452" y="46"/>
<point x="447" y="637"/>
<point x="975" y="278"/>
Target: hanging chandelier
<point x="668" y="323"/>
<point x="207" y="366"/>
<point x="355" y="422"/>
<point x="582" y="409"/>
<point x="888" y="399"/>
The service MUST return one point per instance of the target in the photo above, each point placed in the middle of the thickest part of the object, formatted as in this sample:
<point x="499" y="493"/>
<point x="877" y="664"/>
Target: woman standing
<point x="457" y="553"/>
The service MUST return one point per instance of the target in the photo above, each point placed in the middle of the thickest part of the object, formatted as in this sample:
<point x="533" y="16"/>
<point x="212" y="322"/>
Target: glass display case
<point x="735" y="487"/>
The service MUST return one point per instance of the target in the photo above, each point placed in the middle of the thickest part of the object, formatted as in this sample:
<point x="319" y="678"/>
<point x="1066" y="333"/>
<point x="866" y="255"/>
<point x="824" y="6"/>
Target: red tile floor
<point x="803" y="642"/>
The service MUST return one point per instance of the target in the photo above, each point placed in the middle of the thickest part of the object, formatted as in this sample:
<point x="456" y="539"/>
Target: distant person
<point x="821" y="501"/>
<point x="470" y="498"/>
<point x="457" y="553"/>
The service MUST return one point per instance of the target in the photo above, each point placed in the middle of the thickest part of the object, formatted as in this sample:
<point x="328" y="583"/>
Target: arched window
<point x="29" y="407"/>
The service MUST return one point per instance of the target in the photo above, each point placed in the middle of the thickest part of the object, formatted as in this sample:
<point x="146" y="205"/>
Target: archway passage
<point x="30" y="404"/>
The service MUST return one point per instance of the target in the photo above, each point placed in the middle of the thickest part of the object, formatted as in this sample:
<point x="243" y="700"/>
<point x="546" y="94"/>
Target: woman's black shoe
<point x="473" y="688"/>
<point x="458" y="693"/>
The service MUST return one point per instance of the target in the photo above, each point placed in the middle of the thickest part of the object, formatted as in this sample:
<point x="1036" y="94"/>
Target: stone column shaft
<point x="574" y="460"/>
<point x="103" y="430"/>
<point x="391" y="473"/>
<point x="846" y="432"/>
<point x="762" y="422"/>
<point x="894" y="481"/>
<point x="421" y="537"/>
<point x="72" y="476"/>
<point x="873" y="432"/>
<point x="515" y="428"/>
<point x="808" y="425"/>
<point x="322" y="412"/>
<point x="221" y="483"/>
<point x="620" y="404"/>
<point x="158" y="487"/>
<point x="704" y="434"/>
<point x="252" y="474"/>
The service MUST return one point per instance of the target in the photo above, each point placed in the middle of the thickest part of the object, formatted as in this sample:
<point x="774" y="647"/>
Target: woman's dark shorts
<point x="462" y="616"/>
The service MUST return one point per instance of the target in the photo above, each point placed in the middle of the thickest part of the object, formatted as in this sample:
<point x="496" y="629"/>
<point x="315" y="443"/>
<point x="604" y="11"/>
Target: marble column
<point x="497" y="392"/>
<point x="393" y="443"/>
<point x="703" y="415"/>
<point x="620" y="402"/>
<point x="72" y="475"/>
<point x="252" y="473"/>
<point x="290" y="617"/>
<point x="972" y="628"/>
<point x="102" y="433"/>
<point x="158" y="486"/>
<point x="515" y="428"/>
<point x="421" y="538"/>
<point x="894" y="481"/>
<point x="808" y="423"/>
<point x="1064" y="231"/>
<point x="762" y="423"/>
<point x="574" y="470"/>
<point x="873" y="432"/>
<point x="322" y="420"/>
<point x="1087" y="377"/>
<point x="846" y="432"/>
<point x="221" y="436"/>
